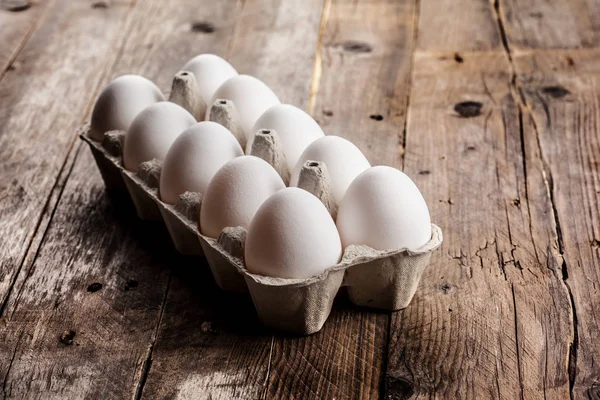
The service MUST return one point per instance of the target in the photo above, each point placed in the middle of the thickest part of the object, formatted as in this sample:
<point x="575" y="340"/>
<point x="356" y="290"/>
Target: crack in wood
<point x="148" y="360"/>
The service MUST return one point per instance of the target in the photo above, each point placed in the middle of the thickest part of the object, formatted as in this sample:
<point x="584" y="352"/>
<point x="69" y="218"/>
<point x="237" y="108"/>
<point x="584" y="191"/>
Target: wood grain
<point x="557" y="24"/>
<point x="557" y="81"/>
<point x="42" y="106"/>
<point x="492" y="317"/>
<point x="18" y="19"/>
<point x="91" y="243"/>
<point x="564" y="108"/>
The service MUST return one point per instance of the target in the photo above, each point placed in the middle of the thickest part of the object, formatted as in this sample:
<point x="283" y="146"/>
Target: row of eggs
<point x="291" y="234"/>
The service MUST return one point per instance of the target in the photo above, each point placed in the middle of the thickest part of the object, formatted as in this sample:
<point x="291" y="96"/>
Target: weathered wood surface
<point x="559" y="89"/>
<point x="490" y="107"/>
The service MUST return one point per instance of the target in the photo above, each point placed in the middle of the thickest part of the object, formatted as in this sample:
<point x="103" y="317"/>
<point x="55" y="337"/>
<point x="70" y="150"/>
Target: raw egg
<point x="153" y="131"/>
<point x="292" y="235"/>
<point x="343" y="159"/>
<point x="296" y="130"/>
<point x="120" y="102"/>
<point x="210" y="71"/>
<point x="236" y="192"/>
<point x="385" y="210"/>
<point x="194" y="158"/>
<point x="250" y="96"/>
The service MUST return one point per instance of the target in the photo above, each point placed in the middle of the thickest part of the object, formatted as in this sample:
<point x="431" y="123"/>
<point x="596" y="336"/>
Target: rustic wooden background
<point x="493" y="108"/>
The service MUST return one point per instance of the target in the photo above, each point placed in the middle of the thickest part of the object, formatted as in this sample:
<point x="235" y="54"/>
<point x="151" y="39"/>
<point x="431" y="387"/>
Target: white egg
<point x="210" y="71"/>
<point x="385" y="210"/>
<point x="236" y="192"/>
<point x="292" y="236"/>
<point x="120" y="102"/>
<point x="194" y="158"/>
<point x="251" y="97"/>
<point x="343" y="159"/>
<point x="153" y="131"/>
<point x="296" y="130"/>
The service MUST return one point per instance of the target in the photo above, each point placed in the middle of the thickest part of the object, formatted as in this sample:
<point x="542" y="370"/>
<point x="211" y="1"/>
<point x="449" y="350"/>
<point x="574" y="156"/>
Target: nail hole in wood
<point x="401" y="387"/>
<point x="357" y="47"/>
<point x="203" y="27"/>
<point x="468" y="109"/>
<point x="131" y="284"/>
<point x="313" y="164"/>
<point x="458" y="58"/>
<point x="446" y="288"/>
<point x="223" y="102"/>
<point x="94" y="287"/>
<point x="471" y="148"/>
<point x="517" y="203"/>
<point x="328" y="113"/>
<point x="570" y="62"/>
<point x="15" y="5"/>
<point x="100" y="4"/>
<point x="376" y="117"/>
<point x="555" y="91"/>
<point x="67" y="337"/>
<point x="424" y="172"/>
<point x="265" y="131"/>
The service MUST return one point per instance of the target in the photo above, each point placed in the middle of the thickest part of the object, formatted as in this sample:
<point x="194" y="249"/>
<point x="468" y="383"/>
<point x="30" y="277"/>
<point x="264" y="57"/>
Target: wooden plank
<point x="563" y="101"/>
<point x="18" y="19"/>
<point x="558" y="84"/>
<point x="492" y="317"/>
<point x="224" y="353"/>
<point x="363" y="68"/>
<point x="557" y="24"/>
<point x="92" y="242"/>
<point x="41" y="105"/>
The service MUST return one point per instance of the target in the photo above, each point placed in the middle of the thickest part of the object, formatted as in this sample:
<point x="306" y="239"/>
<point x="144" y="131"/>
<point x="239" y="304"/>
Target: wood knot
<point x="357" y="47"/>
<point x="67" y="337"/>
<point x="468" y="109"/>
<point x="94" y="287"/>
<point x="15" y="5"/>
<point x="131" y="284"/>
<point x="555" y="91"/>
<point x="398" y="388"/>
<point x="376" y="117"/>
<point x="203" y="27"/>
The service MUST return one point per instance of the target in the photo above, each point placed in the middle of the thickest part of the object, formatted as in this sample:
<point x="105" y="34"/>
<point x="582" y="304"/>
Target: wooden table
<point x="492" y="108"/>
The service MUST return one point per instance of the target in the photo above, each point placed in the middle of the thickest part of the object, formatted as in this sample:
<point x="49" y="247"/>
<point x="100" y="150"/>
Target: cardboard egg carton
<point x="378" y="279"/>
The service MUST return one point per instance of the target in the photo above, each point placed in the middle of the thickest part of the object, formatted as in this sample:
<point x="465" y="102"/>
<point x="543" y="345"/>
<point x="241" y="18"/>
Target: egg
<point x="250" y="96"/>
<point x="120" y="102"/>
<point x="235" y="193"/>
<point x="292" y="235"/>
<point x="343" y="159"/>
<point x="296" y="130"/>
<point x="153" y="131"/>
<point x="194" y="158"/>
<point x="210" y="71"/>
<point x="385" y="210"/>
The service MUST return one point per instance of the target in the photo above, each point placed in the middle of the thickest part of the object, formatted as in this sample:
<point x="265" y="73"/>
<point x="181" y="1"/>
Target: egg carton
<point x="378" y="279"/>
